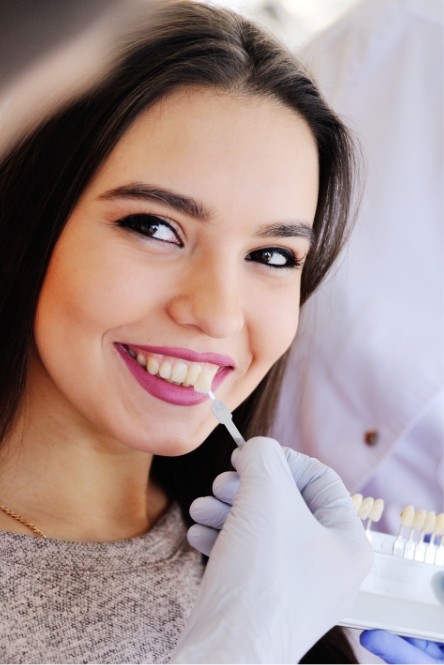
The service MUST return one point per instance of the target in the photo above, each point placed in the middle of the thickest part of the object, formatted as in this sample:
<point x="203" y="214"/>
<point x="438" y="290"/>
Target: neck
<point x="73" y="485"/>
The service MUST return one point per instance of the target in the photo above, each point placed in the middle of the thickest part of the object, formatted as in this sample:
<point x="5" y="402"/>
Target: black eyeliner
<point x="292" y="260"/>
<point x="141" y="223"/>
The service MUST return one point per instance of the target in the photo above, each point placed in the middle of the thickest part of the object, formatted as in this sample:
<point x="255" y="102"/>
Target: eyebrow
<point x="288" y="230"/>
<point x="145" y="192"/>
<point x="195" y="209"/>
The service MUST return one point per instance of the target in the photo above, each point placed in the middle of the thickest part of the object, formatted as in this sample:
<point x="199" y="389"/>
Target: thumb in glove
<point x="277" y="578"/>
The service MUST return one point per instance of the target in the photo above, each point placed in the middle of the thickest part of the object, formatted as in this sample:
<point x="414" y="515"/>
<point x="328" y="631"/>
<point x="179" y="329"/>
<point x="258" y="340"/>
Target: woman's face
<point x="184" y="255"/>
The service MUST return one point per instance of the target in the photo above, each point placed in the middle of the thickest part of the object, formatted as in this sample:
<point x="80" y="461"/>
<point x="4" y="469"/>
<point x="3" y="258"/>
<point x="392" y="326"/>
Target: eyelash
<point x="292" y="261"/>
<point x="144" y="224"/>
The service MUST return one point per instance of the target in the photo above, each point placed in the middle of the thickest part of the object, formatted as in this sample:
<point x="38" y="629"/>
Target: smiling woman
<point x="127" y="272"/>
<point x="157" y="238"/>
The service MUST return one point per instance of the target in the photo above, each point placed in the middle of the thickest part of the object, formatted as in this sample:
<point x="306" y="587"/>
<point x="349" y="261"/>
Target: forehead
<point x="208" y="143"/>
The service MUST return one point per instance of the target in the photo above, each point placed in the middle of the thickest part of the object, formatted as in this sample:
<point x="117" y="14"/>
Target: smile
<point x="180" y="372"/>
<point x="177" y="376"/>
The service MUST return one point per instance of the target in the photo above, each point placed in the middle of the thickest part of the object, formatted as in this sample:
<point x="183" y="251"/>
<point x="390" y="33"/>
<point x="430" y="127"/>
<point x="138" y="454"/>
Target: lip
<point x="170" y="392"/>
<point x="187" y="354"/>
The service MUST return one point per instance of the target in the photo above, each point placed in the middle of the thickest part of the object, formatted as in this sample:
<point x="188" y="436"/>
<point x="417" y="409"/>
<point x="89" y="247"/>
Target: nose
<point x="209" y="299"/>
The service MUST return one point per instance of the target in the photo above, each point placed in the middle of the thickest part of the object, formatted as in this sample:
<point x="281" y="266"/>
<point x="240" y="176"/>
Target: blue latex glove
<point x="286" y="560"/>
<point x="396" y="649"/>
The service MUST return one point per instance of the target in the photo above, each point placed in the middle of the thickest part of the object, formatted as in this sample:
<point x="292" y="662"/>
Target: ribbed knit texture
<point x="119" y="602"/>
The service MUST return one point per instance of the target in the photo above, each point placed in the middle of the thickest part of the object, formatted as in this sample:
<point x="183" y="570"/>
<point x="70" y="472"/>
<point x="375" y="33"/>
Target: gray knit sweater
<point x="120" y="602"/>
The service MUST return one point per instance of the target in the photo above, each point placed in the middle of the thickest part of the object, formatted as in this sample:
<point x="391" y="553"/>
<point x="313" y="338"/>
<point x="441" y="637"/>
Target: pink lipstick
<point x="163" y="389"/>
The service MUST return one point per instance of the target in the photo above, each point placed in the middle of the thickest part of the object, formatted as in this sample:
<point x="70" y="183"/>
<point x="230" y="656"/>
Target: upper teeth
<point x="181" y="372"/>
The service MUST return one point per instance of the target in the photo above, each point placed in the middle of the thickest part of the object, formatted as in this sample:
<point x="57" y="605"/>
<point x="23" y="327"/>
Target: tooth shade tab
<point x="357" y="500"/>
<point x="366" y="507"/>
<point x="429" y="524"/>
<point x="193" y="372"/>
<point x="377" y="510"/>
<point x="439" y="525"/>
<point x="204" y="380"/>
<point x="407" y="515"/>
<point x="419" y="519"/>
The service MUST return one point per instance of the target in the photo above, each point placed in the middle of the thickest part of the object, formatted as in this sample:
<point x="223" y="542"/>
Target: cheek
<point x="89" y="295"/>
<point x="276" y="326"/>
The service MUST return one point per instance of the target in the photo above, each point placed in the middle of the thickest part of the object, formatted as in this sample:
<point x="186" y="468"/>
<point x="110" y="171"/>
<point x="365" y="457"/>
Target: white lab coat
<point x="368" y="363"/>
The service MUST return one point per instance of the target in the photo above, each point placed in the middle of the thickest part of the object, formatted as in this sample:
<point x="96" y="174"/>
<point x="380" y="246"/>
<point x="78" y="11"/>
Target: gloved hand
<point x="286" y="565"/>
<point x="396" y="649"/>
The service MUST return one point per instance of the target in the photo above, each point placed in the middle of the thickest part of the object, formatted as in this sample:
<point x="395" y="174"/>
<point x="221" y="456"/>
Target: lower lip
<point x="163" y="390"/>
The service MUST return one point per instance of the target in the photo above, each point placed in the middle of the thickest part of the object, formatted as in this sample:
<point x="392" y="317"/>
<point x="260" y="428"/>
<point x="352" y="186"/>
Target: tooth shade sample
<point x="365" y="508"/>
<point x="407" y="515"/>
<point x="419" y="519"/>
<point x="357" y="500"/>
<point x="193" y="373"/>
<point x="439" y="525"/>
<point x="377" y="510"/>
<point x="429" y="524"/>
<point x="204" y="380"/>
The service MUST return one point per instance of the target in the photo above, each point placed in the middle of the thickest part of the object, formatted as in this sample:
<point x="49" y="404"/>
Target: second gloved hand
<point x="285" y="566"/>
<point x="396" y="649"/>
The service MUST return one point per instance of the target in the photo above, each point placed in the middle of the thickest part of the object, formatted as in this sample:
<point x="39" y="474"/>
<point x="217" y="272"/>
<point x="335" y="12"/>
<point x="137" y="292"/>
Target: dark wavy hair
<point x="184" y="43"/>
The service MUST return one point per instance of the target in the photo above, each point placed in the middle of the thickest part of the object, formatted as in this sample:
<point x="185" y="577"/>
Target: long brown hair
<point x="184" y="43"/>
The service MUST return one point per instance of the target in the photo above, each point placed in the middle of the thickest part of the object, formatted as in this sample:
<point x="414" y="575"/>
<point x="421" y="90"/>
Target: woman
<point x="168" y="223"/>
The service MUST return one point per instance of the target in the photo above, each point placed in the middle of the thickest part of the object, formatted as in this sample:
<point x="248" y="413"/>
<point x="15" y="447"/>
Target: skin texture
<point x="251" y="163"/>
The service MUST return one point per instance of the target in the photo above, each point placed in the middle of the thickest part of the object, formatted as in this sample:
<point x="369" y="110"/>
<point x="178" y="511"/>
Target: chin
<point x="168" y="443"/>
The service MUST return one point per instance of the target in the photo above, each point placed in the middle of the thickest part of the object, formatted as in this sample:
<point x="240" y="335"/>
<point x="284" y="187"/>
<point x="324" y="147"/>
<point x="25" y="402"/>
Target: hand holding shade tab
<point x="287" y="507"/>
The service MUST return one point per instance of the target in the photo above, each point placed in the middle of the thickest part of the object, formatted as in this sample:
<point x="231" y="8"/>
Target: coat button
<point x="371" y="437"/>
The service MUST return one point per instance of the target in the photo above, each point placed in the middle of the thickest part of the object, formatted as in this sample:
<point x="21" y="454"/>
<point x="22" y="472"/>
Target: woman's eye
<point x="275" y="257"/>
<point x="151" y="226"/>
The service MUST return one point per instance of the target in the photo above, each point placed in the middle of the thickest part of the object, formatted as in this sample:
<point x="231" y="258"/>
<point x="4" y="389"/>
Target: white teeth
<point x="165" y="370"/>
<point x="204" y="380"/>
<point x="141" y="360"/>
<point x="193" y="373"/>
<point x="179" y="373"/>
<point x="152" y="366"/>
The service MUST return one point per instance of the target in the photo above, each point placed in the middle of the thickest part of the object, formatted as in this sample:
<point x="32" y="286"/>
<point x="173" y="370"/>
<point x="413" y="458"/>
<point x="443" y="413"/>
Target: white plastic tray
<point x="400" y="595"/>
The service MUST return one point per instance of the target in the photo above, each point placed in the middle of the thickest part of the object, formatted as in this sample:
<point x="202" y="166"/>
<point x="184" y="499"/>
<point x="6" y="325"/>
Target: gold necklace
<point x="22" y="520"/>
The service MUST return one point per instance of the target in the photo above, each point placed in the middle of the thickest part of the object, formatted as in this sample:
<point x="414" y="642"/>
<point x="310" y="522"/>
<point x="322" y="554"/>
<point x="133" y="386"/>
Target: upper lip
<point x="187" y="354"/>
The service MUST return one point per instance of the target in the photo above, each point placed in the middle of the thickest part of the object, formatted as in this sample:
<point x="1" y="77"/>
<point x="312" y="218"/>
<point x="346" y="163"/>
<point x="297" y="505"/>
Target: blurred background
<point x="294" y="21"/>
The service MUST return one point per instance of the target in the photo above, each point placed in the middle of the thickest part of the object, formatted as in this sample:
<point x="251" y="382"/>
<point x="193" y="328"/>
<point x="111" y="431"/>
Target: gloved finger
<point x="225" y="486"/>
<point x="318" y="490"/>
<point x="323" y="490"/>
<point x="202" y="538"/>
<point x="323" y="502"/>
<point x="393" y="648"/>
<point x="260" y="458"/>
<point x="434" y="649"/>
<point x="209" y="511"/>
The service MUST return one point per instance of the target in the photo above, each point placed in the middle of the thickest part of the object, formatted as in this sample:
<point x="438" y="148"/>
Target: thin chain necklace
<point x="22" y="520"/>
